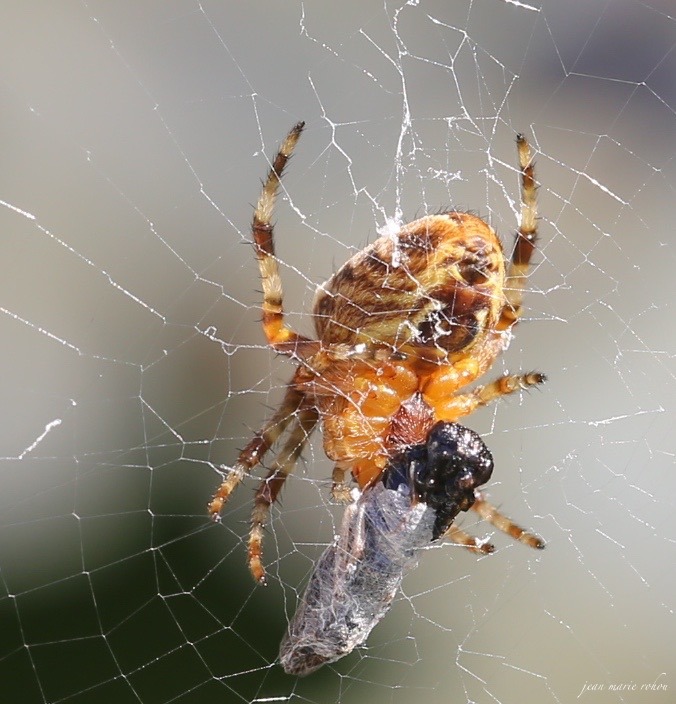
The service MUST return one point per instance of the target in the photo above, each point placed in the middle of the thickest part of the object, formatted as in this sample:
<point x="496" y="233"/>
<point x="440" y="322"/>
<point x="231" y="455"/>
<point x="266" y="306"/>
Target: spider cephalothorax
<point x="403" y="327"/>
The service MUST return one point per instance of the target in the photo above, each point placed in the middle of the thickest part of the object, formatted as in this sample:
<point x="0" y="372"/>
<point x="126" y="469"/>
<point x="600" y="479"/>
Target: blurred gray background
<point x="133" y="138"/>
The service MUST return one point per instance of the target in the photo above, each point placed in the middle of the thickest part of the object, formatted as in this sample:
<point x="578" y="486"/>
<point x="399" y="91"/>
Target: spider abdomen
<point x="436" y="283"/>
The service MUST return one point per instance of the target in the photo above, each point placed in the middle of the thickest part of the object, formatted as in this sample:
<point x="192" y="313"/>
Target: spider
<point x="403" y="327"/>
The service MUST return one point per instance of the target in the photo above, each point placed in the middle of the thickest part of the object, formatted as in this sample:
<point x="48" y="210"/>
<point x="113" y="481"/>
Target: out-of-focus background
<point x="133" y="137"/>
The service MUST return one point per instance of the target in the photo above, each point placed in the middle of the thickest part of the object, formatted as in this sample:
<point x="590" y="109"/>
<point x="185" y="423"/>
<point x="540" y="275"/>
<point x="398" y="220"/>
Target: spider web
<point x="133" y="139"/>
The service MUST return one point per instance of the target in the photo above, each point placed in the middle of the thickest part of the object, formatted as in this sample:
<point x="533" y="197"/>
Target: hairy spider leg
<point x="458" y="405"/>
<point x="281" y="338"/>
<point x="493" y="516"/>
<point x="478" y="397"/>
<point x="526" y="237"/>
<point x="253" y="453"/>
<point x="459" y="537"/>
<point x="270" y="487"/>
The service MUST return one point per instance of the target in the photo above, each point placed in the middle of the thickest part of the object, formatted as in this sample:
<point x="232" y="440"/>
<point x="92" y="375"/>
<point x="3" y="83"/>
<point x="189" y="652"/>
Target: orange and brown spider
<point x="403" y="327"/>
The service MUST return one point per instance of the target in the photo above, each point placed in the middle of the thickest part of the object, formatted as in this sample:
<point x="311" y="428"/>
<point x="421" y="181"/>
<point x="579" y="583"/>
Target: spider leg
<point x="270" y="487"/>
<point x="505" y="385"/>
<point x="482" y="396"/>
<point x="280" y="337"/>
<point x="459" y="537"/>
<point x="491" y="514"/>
<point x="464" y="404"/>
<point x="254" y="452"/>
<point x="524" y="245"/>
<point x="340" y="489"/>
